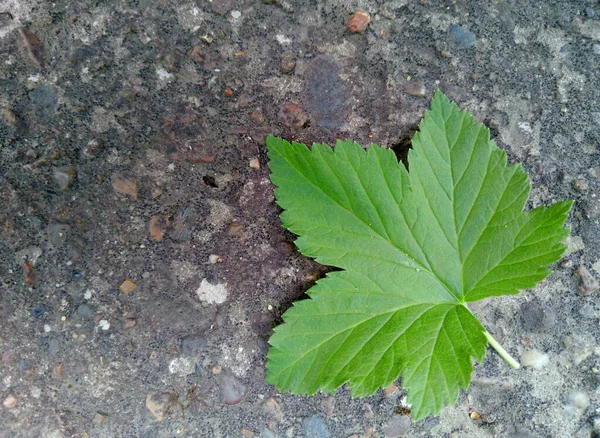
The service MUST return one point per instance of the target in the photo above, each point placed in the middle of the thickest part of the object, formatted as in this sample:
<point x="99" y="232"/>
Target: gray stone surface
<point x="132" y="150"/>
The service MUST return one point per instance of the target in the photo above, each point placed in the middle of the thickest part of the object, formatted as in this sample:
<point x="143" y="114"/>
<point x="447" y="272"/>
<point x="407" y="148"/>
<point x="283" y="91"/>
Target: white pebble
<point x="535" y="359"/>
<point x="578" y="399"/>
<point x="104" y="324"/>
<point x="47" y="328"/>
<point x="236" y="14"/>
<point x="182" y="366"/>
<point x="212" y="293"/>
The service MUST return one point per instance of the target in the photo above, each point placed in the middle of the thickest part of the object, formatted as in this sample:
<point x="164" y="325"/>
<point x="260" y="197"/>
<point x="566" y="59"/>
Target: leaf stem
<point x="502" y="352"/>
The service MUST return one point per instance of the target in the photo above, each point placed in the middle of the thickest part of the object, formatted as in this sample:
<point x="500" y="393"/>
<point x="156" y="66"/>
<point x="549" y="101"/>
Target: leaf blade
<point x="415" y="247"/>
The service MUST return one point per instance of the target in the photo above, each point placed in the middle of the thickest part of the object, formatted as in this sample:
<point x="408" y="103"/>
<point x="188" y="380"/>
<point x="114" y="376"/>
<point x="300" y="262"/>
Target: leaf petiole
<point x="502" y="352"/>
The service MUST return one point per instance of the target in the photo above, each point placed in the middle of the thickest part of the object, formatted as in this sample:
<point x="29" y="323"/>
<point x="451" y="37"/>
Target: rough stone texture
<point x="115" y="113"/>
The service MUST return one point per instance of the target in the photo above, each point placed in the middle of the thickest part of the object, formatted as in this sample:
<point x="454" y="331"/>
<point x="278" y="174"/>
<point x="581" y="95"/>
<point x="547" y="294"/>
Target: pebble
<point x="254" y="163"/>
<point x="288" y="63"/>
<point x="10" y="402"/>
<point x="58" y="372"/>
<point x="579" y="399"/>
<point x="328" y="98"/>
<point x="273" y="408"/>
<point x="93" y="148"/>
<point x="193" y="345"/>
<point x="589" y="283"/>
<point x="57" y="234"/>
<point x="315" y="427"/>
<point x="182" y="366"/>
<point x="292" y="116"/>
<point x="38" y="311"/>
<point x="536" y="317"/>
<point x="158" y="227"/>
<point x="129" y="323"/>
<point x="233" y="390"/>
<point x="577" y="348"/>
<point x="359" y="21"/>
<point x="53" y="347"/>
<point x="125" y="183"/>
<point x="461" y="36"/>
<point x="535" y="359"/>
<point x="103" y="324"/>
<point x="64" y="176"/>
<point x="397" y="426"/>
<point x="45" y="101"/>
<point x="596" y="49"/>
<point x="258" y="116"/>
<point x="86" y="311"/>
<point x="268" y="434"/>
<point x="99" y="417"/>
<point x="128" y="286"/>
<point x="587" y="311"/>
<point x="157" y="405"/>
<point x="212" y="293"/>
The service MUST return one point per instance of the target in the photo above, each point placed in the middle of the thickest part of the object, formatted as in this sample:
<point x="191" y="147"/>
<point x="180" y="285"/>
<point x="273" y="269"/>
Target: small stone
<point x="10" y="402"/>
<point x="536" y="317"/>
<point x="329" y="406"/>
<point x="589" y="12"/>
<point x="416" y="89"/>
<point x="158" y="227"/>
<point x="212" y="293"/>
<point x="390" y="390"/>
<point x="578" y="348"/>
<point x="288" y="63"/>
<point x="128" y="286"/>
<point x="130" y="323"/>
<point x="581" y="185"/>
<point x="246" y="432"/>
<point x="233" y="390"/>
<point x="103" y="324"/>
<point x="235" y="229"/>
<point x="596" y="49"/>
<point x="587" y="311"/>
<point x="589" y="283"/>
<point x="64" y="176"/>
<point x="461" y="37"/>
<point x="266" y="432"/>
<point x="535" y="359"/>
<point x="315" y="427"/>
<point x="273" y="408"/>
<point x="93" y="148"/>
<point x="236" y="15"/>
<point x="578" y="399"/>
<point x="358" y="22"/>
<point x="228" y="92"/>
<point x="254" y="163"/>
<point x="574" y="244"/>
<point x="125" y="183"/>
<point x="35" y="48"/>
<point x="53" y="347"/>
<point x="193" y="345"/>
<point x="397" y="426"/>
<point x="157" y="405"/>
<point x="86" y="311"/>
<point x="214" y="259"/>
<point x="292" y="116"/>
<point x="182" y="366"/>
<point x="58" y="371"/>
<point x="30" y="274"/>
<point x="221" y="6"/>
<point x="258" y="116"/>
<point x="99" y="418"/>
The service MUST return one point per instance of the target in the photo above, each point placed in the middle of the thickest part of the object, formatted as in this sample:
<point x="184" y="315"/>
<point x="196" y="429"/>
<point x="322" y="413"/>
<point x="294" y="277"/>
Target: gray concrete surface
<point x="142" y="262"/>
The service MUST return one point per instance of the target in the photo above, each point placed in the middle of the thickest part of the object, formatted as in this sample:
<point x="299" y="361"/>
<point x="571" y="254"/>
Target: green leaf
<point x="415" y="247"/>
